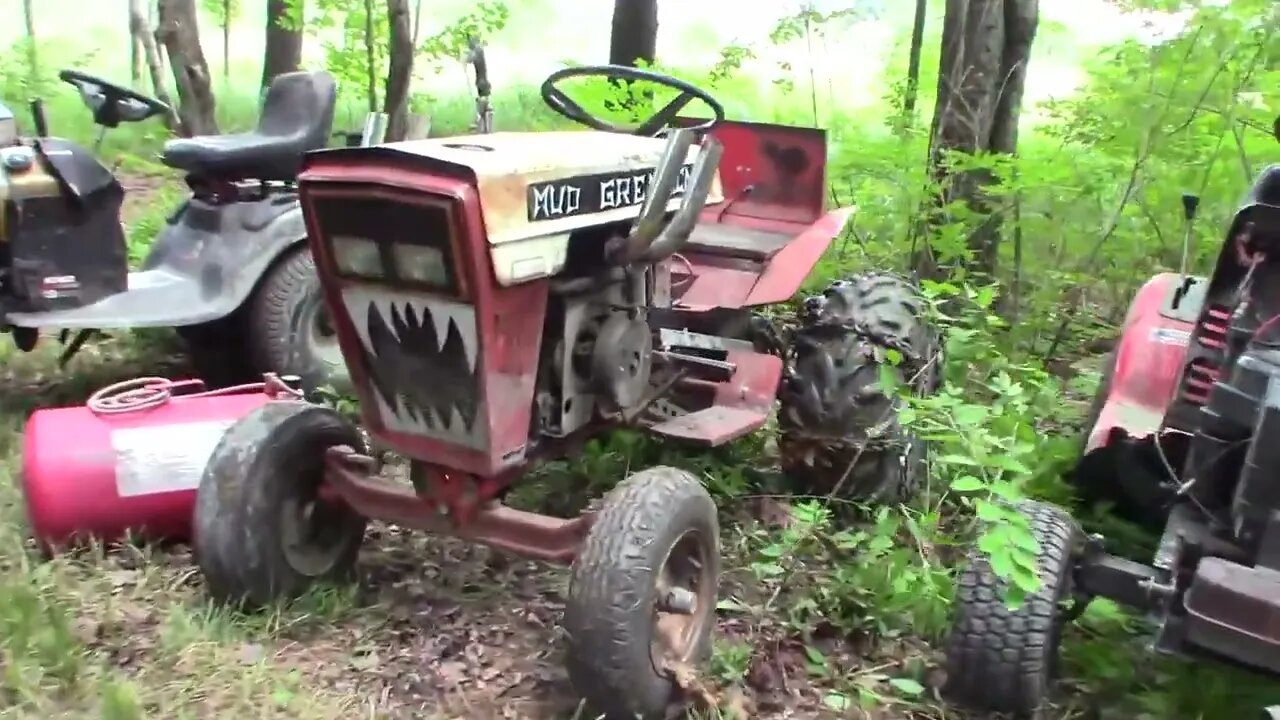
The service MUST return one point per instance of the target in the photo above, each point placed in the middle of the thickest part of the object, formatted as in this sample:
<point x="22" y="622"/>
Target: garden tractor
<point x="1180" y="432"/>
<point x="227" y="269"/>
<point x="501" y="298"/>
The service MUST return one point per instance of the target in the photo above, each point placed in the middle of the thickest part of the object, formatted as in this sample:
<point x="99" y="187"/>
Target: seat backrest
<point x="300" y="104"/>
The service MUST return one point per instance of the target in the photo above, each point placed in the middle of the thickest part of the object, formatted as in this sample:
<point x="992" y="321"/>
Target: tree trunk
<point x="140" y="31"/>
<point x="635" y="32"/>
<point x="33" y="57"/>
<point x="913" y="63"/>
<point x="370" y="63"/>
<point x="400" y="69"/>
<point x="417" y="20"/>
<point x="226" y="43"/>
<point x="137" y="60"/>
<point x="179" y="33"/>
<point x="284" y="41"/>
<point x="981" y="77"/>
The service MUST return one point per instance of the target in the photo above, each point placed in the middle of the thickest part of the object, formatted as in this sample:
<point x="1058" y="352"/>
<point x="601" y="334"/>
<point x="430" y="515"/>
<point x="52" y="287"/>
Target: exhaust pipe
<point x="677" y="232"/>
<point x="649" y="223"/>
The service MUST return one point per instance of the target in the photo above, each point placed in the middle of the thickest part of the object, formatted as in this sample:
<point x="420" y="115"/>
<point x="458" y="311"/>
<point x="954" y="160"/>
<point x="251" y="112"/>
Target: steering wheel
<point x="555" y="98"/>
<point x="112" y="104"/>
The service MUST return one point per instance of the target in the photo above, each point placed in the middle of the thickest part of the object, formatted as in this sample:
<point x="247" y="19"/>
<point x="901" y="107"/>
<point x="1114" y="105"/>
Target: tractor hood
<point x="547" y="183"/>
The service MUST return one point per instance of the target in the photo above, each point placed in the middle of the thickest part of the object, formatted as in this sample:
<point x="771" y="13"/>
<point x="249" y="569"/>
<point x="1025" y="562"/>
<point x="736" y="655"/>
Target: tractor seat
<point x="736" y="241"/>
<point x="296" y="118"/>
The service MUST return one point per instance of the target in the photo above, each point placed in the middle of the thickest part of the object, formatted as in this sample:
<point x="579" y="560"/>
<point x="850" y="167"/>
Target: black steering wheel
<point x="112" y="104"/>
<point x="555" y="98"/>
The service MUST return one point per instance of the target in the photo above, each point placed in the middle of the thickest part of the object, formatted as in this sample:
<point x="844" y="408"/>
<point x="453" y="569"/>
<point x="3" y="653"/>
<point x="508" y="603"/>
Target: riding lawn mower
<point x="228" y="268"/>
<point x="1180" y="436"/>
<point x="501" y="298"/>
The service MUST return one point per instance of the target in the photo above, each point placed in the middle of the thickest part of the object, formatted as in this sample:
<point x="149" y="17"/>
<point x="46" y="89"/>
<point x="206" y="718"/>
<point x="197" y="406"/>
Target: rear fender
<point x="203" y="266"/>
<point x="773" y="179"/>
<point x="228" y="248"/>
<point x="786" y="271"/>
<point x="709" y="281"/>
<point x="771" y="172"/>
<point x="1148" y="360"/>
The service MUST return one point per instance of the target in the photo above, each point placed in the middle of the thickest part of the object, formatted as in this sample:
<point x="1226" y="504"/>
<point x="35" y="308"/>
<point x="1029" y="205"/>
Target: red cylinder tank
<point x="129" y="460"/>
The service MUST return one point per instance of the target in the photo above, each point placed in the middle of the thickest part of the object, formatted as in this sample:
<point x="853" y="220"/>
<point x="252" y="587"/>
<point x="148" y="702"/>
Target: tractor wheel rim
<point x="686" y="571"/>
<point x="312" y="535"/>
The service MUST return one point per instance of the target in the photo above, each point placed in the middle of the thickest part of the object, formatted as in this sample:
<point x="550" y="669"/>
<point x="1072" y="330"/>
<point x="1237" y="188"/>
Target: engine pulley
<point x="621" y="360"/>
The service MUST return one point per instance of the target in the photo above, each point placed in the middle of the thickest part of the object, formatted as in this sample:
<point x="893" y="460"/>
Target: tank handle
<point x="144" y="393"/>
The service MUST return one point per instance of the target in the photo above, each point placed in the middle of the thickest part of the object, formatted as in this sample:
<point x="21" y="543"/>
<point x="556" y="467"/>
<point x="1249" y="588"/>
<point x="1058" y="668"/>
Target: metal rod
<point x="375" y="129"/>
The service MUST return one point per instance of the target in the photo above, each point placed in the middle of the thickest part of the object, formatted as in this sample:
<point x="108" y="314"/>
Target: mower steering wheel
<point x="111" y="103"/>
<point x="555" y="98"/>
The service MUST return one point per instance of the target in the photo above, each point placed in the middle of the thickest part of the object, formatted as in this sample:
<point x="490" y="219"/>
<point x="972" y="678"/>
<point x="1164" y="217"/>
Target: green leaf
<point x="837" y="701"/>
<point x="967" y="483"/>
<point x="1005" y="462"/>
<point x="907" y="686"/>
<point x="970" y="415"/>
<point x="990" y="512"/>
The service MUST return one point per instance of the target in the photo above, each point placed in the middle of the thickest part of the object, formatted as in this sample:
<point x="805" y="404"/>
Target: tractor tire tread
<point x="237" y="539"/>
<point x="832" y="402"/>
<point x="271" y="322"/>
<point x="608" y="663"/>
<point x="1003" y="660"/>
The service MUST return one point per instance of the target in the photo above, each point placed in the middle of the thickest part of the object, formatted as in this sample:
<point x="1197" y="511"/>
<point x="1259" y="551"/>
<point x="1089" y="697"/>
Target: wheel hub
<point x="684" y="601"/>
<point x="311" y="544"/>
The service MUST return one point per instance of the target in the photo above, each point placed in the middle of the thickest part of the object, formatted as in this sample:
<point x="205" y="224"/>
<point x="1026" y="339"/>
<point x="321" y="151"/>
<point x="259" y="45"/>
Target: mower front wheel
<point x="642" y="594"/>
<point x="1002" y="660"/>
<point x="262" y="532"/>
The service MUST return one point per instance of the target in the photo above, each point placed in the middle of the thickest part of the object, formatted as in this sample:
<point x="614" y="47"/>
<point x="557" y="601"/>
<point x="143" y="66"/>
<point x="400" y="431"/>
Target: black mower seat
<point x="297" y="116"/>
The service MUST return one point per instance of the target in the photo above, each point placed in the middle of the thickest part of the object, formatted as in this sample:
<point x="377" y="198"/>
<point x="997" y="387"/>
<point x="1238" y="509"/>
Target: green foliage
<point x="984" y="429"/>
<point x="355" y="38"/>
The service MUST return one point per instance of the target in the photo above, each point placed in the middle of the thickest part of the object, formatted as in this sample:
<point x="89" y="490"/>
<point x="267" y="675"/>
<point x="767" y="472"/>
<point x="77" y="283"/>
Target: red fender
<point x="1146" y="365"/>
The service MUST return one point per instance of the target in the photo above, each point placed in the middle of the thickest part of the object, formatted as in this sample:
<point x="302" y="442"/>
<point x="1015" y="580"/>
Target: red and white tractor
<point x="502" y="297"/>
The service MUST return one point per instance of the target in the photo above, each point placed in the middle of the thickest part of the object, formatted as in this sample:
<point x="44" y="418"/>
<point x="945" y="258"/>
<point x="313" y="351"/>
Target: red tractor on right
<point x="1184" y="434"/>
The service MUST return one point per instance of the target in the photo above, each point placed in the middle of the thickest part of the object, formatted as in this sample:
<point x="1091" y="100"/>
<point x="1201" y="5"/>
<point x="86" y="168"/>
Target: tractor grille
<point x="406" y="300"/>
<point x="1203" y="372"/>
<point x="388" y="236"/>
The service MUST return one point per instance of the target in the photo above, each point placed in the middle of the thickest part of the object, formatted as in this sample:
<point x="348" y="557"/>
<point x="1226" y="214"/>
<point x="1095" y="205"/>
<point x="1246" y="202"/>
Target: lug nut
<point x="680" y="601"/>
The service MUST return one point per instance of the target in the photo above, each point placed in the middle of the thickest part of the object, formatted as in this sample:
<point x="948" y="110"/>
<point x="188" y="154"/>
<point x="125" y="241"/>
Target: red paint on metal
<point x="70" y="463"/>
<point x="787" y="270"/>
<point x="1148" y="362"/>
<point x="528" y="534"/>
<point x="754" y="383"/>
<point x="740" y="405"/>
<point x="724" y="282"/>
<point x="508" y="320"/>
<point x="772" y="172"/>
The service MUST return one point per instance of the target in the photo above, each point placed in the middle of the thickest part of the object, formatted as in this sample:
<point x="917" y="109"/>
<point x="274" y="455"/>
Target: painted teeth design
<point x="403" y="315"/>
<point x="423" y="356"/>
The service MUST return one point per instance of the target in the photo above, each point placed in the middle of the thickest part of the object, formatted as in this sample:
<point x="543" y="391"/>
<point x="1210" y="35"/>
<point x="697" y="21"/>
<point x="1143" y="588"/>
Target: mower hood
<point x="537" y="184"/>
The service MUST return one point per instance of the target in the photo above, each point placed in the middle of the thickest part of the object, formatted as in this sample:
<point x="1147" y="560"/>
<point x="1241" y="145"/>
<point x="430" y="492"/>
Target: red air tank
<point x="130" y="459"/>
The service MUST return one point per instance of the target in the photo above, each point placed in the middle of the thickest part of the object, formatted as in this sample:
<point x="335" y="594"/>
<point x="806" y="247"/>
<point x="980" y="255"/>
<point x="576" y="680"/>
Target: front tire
<point x="262" y="534"/>
<point x="839" y="430"/>
<point x="289" y="328"/>
<point x="1002" y="660"/>
<point x="642" y="593"/>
